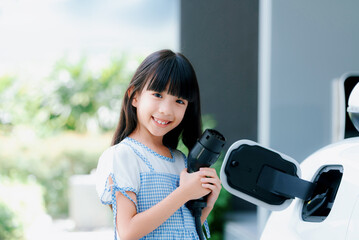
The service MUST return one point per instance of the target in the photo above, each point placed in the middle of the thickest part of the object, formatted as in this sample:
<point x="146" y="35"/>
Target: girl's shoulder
<point x="117" y="154"/>
<point x="117" y="149"/>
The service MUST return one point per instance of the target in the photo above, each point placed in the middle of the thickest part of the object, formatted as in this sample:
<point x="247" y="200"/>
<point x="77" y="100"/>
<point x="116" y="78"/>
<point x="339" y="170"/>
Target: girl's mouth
<point x="161" y="122"/>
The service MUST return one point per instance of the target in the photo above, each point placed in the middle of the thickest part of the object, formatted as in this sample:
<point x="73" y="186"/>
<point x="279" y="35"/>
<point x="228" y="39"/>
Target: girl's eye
<point x="180" y="101"/>
<point x="157" y="95"/>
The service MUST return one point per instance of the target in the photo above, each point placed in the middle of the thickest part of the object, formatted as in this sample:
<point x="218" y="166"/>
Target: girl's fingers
<point x="211" y="180"/>
<point x="212" y="188"/>
<point x="209" y="186"/>
<point x="209" y="175"/>
<point x="210" y="172"/>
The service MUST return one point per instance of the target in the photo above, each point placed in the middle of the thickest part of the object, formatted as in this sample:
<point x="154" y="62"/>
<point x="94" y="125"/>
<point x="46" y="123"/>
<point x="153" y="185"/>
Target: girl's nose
<point x="165" y="107"/>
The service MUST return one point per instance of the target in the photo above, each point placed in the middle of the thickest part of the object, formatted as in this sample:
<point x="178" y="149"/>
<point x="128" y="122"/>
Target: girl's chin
<point x="160" y="131"/>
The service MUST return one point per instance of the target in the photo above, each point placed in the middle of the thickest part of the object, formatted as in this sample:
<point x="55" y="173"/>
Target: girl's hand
<point x="192" y="185"/>
<point x="211" y="181"/>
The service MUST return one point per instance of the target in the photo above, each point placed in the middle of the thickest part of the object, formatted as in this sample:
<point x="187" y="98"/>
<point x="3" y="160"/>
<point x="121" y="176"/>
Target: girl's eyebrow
<point x="178" y="97"/>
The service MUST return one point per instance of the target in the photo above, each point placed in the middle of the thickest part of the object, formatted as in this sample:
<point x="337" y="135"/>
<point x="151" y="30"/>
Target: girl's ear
<point x="134" y="99"/>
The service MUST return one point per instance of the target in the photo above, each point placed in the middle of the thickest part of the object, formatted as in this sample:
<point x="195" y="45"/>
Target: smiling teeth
<point x="160" y="122"/>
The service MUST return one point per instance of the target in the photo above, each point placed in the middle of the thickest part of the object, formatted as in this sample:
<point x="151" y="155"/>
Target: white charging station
<point x="317" y="199"/>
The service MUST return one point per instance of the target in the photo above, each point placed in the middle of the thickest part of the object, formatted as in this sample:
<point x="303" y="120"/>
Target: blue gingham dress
<point x="134" y="167"/>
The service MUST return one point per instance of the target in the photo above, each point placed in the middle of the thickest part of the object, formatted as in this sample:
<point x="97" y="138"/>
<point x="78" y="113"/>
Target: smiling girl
<point x="142" y="176"/>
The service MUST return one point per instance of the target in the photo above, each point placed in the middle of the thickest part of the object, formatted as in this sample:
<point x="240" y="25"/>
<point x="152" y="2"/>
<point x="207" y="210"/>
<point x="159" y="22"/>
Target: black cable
<point x="197" y="212"/>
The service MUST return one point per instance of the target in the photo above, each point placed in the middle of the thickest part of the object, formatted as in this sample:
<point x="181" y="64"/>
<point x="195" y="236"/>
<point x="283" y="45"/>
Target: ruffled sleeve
<point x="118" y="170"/>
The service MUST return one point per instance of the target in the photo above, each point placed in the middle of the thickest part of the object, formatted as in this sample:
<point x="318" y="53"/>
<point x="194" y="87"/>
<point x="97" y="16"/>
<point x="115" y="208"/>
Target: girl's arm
<point x="133" y="225"/>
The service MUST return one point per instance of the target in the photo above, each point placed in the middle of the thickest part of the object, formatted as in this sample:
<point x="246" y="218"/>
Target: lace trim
<point x="144" y="159"/>
<point x="206" y="227"/>
<point x="172" y="159"/>
<point x="115" y="188"/>
<point x="185" y="159"/>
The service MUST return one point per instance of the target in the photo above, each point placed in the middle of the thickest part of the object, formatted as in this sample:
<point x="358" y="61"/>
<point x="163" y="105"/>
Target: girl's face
<point x="158" y="112"/>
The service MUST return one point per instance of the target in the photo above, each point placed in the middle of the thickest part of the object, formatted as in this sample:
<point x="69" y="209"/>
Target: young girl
<point x="142" y="176"/>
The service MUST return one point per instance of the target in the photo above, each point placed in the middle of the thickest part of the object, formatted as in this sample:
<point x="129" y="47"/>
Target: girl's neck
<point x="146" y="138"/>
<point x="153" y="142"/>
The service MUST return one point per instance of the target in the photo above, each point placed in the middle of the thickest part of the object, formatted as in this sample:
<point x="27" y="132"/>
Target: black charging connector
<point x="204" y="153"/>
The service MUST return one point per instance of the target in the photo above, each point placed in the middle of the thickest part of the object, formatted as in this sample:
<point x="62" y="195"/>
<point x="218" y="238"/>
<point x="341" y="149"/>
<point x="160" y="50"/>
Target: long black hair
<point x="160" y="69"/>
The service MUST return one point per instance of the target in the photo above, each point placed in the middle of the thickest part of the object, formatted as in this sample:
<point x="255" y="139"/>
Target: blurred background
<point x="64" y="65"/>
<point x="266" y="70"/>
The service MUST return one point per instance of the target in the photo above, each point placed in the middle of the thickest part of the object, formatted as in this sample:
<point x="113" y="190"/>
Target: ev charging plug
<point x="204" y="153"/>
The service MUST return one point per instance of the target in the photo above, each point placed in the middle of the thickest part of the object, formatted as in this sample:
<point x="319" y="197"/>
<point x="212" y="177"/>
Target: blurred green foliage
<point x="36" y="118"/>
<point x="10" y="227"/>
<point x="51" y="161"/>
<point x="78" y="97"/>
<point x="21" y="205"/>
<point x="73" y="97"/>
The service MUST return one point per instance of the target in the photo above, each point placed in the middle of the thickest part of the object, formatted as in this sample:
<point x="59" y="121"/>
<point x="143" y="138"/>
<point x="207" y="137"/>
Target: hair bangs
<point x="178" y="76"/>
